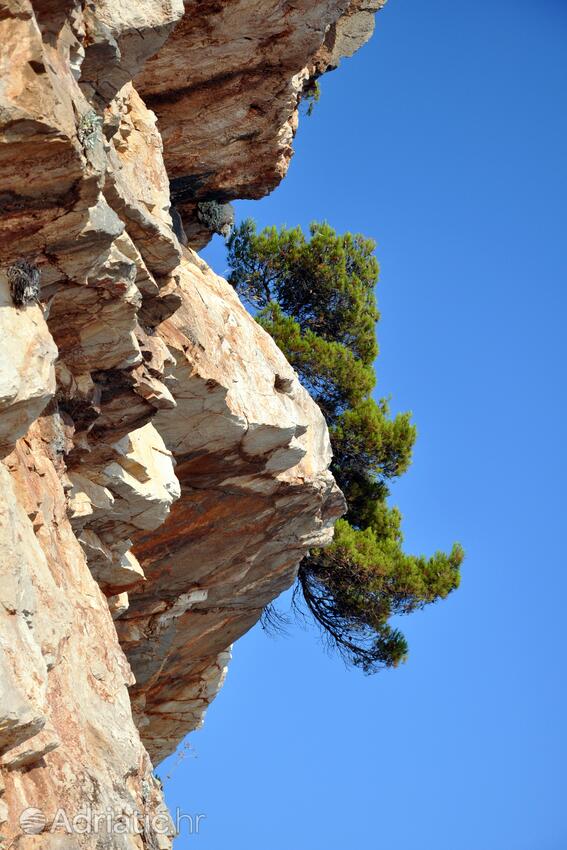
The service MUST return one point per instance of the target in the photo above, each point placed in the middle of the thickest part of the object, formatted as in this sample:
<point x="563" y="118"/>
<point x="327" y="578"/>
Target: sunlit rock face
<point x="227" y="84"/>
<point x="162" y="470"/>
<point x="27" y="369"/>
<point x="252" y="460"/>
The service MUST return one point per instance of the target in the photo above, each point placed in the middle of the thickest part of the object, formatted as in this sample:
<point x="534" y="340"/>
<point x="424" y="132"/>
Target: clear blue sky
<point x="445" y="139"/>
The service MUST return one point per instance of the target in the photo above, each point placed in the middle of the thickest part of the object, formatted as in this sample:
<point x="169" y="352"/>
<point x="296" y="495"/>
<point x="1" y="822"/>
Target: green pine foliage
<point x="334" y="376"/>
<point x="316" y="297"/>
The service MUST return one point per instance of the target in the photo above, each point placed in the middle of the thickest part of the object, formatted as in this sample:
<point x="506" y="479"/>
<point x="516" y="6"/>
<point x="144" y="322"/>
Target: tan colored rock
<point x="163" y="478"/>
<point x="255" y="495"/>
<point x="32" y="750"/>
<point x="137" y="184"/>
<point x="142" y="479"/>
<point x="351" y="31"/>
<point x="120" y="37"/>
<point x="27" y="373"/>
<point x="95" y="331"/>
<point x="87" y="500"/>
<point x="113" y="568"/>
<point x="40" y="160"/>
<point x="118" y="604"/>
<point x="144" y="279"/>
<point x="66" y="663"/>
<point x="134" y="491"/>
<point x="226" y="87"/>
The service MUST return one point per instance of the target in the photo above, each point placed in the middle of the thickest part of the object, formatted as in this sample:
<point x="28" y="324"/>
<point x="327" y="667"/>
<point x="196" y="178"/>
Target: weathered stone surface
<point x="142" y="479"/>
<point x="348" y="34"/>
<point x="59" y="645"/>
<point x="40" y="160"/>
<point x="256" y="494"/>
<point x="120" y="37"/>
<point x="87" y="500"/>
<point x="118" y="604"/>
<point x="163" y="470"/>
<point x="31" y="750"/>
<point x="137" y="184"/>
<point x="22" y="666"/>
<point x="227" y="83"/>
<point x="134" y="491"/>
<point x="27" y="372"/>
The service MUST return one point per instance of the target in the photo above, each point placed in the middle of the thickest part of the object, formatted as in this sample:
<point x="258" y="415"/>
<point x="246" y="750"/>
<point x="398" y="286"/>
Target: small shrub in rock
<point x="217" y="217"/>
<point x="90" y="124"/>
<point x="24" y="280"/>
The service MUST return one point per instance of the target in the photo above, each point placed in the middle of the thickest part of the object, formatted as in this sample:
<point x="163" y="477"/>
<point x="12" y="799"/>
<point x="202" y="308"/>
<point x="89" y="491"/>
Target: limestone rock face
<point x="67" y="740"/>
<point x="162" y="471"/>
<point x="227" y="83"/>
<point x="256" y="493"/>
<point x="27" y="368"/>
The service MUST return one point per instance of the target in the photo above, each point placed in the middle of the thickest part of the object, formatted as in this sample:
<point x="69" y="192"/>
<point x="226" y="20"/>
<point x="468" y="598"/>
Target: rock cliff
<point x="163" y="471"/>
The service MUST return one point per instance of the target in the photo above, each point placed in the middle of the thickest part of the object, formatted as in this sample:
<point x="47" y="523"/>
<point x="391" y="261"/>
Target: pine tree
<point x="316" y="297"/>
